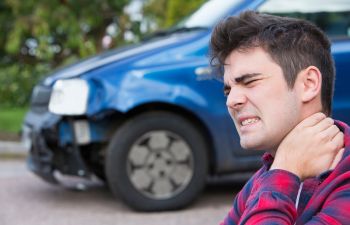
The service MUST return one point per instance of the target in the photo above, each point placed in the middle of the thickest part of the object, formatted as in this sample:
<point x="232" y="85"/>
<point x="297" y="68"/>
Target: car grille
<point x="40" y="98"/>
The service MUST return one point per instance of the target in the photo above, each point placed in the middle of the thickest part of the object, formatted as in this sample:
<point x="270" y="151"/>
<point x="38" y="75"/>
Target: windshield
<point x="209" y="13"/>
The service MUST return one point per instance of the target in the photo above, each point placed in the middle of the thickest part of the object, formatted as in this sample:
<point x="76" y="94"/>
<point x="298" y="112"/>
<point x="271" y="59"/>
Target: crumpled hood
<point x="84" y="66"/>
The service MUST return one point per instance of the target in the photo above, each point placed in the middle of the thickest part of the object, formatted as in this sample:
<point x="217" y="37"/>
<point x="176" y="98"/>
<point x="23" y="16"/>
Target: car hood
<point x="84" y="66"/>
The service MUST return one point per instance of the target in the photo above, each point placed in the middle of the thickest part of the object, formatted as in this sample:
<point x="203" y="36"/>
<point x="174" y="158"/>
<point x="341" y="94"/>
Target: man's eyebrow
<point x="241" y="79"/>
<point x="246" y="76"/>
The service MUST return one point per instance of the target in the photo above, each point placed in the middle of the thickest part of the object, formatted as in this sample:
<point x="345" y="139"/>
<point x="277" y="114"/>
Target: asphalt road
<point x="25" y="199"/>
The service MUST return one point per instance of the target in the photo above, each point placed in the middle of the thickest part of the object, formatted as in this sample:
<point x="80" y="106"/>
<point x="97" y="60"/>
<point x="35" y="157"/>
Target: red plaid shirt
<point x="278" y="196"/>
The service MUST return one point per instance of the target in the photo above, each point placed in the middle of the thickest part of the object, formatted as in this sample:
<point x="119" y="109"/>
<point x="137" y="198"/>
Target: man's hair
<point x="293" y="44"/>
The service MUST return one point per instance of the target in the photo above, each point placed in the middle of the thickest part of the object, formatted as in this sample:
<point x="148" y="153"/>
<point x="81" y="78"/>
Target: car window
<point x="333" y="17"/>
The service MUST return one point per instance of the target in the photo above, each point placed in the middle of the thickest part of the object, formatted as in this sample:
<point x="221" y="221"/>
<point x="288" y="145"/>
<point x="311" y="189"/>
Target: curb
<point x="9" y="149"/>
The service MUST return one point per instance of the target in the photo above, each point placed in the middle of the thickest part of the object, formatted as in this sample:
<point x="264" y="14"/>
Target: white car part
<point x="69" y="97"/>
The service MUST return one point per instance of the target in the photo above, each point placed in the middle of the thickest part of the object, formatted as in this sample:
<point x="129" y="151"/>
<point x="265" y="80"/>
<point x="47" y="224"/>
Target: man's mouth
<point x="249" y="121"/>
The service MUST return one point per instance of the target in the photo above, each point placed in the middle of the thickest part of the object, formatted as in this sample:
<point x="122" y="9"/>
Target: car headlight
<point x="69" y="97"/>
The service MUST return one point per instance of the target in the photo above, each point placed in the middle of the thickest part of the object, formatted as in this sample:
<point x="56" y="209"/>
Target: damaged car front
<point x="74" y="112"/>
<point x="63" y="134"/>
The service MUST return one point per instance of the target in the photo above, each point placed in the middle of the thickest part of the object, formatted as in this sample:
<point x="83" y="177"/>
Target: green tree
<point x="166" y="13"/>
<point x="38" y="36"/>
<point x="178" y="9"/>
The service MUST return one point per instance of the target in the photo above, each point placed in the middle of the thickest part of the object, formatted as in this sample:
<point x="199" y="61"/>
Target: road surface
<point x="25" y="199"/>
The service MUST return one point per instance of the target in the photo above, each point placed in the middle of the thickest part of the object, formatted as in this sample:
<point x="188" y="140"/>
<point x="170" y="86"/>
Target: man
<point x="278" y="77"/>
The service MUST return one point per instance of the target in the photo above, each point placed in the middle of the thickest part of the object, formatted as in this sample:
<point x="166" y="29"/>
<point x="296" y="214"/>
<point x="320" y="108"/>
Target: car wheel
<point x="157" y="161"/>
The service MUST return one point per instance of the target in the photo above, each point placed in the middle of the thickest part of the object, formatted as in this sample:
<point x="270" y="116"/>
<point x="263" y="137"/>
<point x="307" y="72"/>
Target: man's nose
<point x="236" y="99"/>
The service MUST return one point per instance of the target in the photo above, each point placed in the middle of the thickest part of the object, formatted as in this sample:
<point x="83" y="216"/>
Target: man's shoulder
<point x="246" y="190"/>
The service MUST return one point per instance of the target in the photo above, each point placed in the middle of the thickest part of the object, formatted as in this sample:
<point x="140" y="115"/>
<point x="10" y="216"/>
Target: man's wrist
<point x="288" y="168"/>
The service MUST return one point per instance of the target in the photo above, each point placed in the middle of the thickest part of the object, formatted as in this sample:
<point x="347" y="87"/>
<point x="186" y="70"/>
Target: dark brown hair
<point x="292" y="43"/>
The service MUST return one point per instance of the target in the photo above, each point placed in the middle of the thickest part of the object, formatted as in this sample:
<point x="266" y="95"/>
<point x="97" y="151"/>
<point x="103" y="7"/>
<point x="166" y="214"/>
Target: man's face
<point x="259" y="101"/>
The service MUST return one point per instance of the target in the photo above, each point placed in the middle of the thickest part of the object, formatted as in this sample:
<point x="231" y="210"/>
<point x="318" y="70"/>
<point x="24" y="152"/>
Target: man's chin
<point x="251" y="146"/>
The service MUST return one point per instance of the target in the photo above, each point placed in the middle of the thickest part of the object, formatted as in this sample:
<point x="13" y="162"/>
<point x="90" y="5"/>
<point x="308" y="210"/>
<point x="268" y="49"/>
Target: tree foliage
<point x="38" y="36"/>
<point x="166" y="13"/>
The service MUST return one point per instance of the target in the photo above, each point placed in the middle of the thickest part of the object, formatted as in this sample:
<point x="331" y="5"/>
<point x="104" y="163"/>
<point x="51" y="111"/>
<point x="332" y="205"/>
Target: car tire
<point x="157" y="161"/>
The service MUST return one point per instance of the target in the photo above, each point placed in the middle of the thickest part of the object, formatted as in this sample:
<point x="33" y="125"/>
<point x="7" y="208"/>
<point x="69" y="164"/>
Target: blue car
<point x="150" y="119"/>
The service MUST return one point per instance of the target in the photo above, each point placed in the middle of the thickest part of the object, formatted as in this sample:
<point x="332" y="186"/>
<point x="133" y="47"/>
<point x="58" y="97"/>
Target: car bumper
<point x="47" y="158"/>
<point x="40" y="157"/>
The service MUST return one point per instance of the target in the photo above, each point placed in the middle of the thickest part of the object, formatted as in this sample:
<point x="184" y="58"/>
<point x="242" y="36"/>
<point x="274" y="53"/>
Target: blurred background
<point x="39" y="36"/>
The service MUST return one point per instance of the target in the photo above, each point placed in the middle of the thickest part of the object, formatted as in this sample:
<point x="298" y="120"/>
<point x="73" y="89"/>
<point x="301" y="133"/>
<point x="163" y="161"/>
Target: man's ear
<point x="310" y="80"/>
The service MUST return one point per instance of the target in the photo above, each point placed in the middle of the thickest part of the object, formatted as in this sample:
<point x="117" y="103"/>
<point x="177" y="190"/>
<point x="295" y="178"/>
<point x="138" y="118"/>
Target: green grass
<point x="11" y="119"/>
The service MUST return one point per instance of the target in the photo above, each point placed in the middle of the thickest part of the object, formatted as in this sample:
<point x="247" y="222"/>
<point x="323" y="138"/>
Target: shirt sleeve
<point x="272" y="199"/>
<point x="240" y="200"/>
<point x="237" y="208"/>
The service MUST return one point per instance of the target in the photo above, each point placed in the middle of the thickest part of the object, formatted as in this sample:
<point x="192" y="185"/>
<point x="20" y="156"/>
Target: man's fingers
<point x="337" y="159"/>
<point x="330" y="132"/>
<point x="324" y="124"/>
<point x="312" y="120"/>
<point x="338" y="140"/>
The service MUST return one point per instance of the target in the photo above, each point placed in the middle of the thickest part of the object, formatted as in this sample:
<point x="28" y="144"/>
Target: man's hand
<point x="312" y="147"/>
